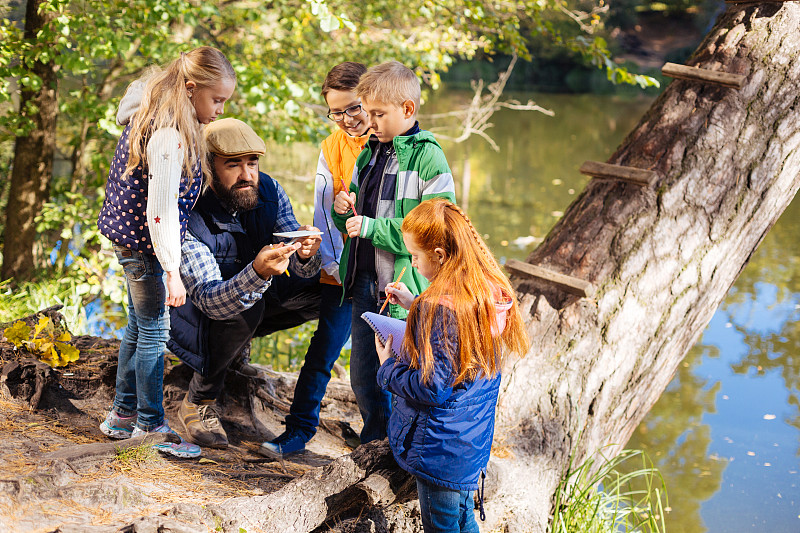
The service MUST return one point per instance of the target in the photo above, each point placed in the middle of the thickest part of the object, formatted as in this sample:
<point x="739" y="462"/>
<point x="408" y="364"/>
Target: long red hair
<point x="470" y="283"/>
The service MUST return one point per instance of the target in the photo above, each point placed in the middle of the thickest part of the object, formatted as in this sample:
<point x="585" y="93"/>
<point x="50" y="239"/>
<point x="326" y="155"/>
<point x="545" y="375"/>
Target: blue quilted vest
<point x="123" y="218"/>
<point x="234" y="240"/>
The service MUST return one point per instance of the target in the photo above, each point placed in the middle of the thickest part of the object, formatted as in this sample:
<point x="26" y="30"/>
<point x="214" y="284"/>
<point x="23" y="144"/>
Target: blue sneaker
<point x="118" y="427"/>
<point x="184" y="450"/>
<point x="289" y="442"/>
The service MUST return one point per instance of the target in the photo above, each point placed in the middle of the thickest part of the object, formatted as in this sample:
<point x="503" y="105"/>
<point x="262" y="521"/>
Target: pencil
<point x="347" y="190"/>
<point x="386" y="301"/>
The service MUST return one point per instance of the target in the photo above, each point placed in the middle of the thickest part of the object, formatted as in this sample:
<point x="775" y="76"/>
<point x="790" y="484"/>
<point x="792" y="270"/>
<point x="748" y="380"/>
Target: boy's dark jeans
<point x="326" y="345"/>
<point x="373" y="402"/>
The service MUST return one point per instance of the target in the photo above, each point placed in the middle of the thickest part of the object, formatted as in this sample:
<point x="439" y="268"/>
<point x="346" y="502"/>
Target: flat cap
<point x="230" y="137"/>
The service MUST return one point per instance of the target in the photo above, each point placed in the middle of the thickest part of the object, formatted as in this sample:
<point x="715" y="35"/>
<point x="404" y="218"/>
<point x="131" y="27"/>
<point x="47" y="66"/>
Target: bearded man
<point x="233" y="268"/>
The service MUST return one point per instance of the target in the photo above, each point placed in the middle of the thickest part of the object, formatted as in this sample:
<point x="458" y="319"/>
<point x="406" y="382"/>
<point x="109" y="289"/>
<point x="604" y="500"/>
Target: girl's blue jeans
<point x="140" y="369"/>
<point x="446" y="510"/>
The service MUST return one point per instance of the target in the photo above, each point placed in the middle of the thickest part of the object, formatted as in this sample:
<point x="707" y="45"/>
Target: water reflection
<point x="534" y="176"/>
<point x="742" y="404"/>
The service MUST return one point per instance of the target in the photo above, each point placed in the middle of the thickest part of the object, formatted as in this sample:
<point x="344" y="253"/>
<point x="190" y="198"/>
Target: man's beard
<point x="240" y="197"/>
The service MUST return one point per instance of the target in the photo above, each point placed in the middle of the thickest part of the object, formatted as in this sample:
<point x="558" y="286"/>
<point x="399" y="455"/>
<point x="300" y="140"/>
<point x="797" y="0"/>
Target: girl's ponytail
<point x="167" y="104"/>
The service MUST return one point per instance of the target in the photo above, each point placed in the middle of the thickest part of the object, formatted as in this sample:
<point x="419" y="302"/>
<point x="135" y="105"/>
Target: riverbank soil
<point x="58" y="472"/>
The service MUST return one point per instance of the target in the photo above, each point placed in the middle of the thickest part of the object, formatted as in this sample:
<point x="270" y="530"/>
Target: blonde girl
<point x="155" y="178"/>
<point x="446" y="380"/>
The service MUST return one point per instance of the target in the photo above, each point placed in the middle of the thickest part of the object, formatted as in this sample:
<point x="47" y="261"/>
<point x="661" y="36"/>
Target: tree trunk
<point x="661" y="259"/>
<point x="33" y="156"/>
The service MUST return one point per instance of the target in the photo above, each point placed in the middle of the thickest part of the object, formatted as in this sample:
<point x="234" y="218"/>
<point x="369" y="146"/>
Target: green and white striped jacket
<point x="422" y="173"/>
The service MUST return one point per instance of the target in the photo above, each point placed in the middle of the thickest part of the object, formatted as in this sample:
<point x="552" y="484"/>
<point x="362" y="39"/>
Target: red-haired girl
<point x="446" y="380"/>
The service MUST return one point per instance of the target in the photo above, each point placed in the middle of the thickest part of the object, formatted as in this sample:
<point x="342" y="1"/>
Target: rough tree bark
<point x="33" y="155"/>
<point x="661" y="258"/>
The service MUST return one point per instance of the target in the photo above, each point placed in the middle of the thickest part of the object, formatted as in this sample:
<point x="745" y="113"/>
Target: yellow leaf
<point x="44" y="347"/>
<point x="50" y="357"/>
<point x="17" y="333"/>
<point x="64" y="337"/>
<point x="44" y="321"/>
<point x="68" y="353"/>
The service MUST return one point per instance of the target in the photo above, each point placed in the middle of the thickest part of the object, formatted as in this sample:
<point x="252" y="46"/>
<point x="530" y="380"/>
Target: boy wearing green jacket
<point x="399" y="167"/>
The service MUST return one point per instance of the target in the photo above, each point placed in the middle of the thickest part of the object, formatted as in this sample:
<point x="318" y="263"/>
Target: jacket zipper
<point x="389" y="154"/>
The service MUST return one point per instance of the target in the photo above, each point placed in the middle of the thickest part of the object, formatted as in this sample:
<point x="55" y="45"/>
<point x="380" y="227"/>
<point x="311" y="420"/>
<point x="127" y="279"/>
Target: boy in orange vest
<point x="334" y="172"/>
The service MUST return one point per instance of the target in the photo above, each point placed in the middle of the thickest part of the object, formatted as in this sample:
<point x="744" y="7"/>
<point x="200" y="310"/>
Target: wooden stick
<point x="726" y="79"/>
<point x="394" y="284"/>
<point x="566" y="283"/>
<point x="639" y="176"/>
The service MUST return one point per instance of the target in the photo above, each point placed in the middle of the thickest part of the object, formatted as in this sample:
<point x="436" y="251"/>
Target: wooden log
<point x="726" y="79"/>
<point x="638" y="176"/>
<point x="566" y="283"/>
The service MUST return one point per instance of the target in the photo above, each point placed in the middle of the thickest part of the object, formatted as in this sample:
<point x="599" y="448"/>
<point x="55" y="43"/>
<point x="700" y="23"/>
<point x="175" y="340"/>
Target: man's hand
<point x="176" y="293"/>
<point x="344" y="202"/>
<point x="274" y="259"/>
<point x="308" y="245"/>
<point x="353" y="226"/>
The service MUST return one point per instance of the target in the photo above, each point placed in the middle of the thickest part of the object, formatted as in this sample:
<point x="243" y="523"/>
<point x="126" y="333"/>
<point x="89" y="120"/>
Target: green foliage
<point x="285" y="350"/>
<point x="595" y="497"/>
<point x="47" y="341"/>
<point x="281" y="52"/>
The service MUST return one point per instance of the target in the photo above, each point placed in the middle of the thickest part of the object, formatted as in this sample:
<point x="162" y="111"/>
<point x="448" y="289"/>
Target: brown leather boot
<point x="202" y="425"/>
<point x="241" y="364"/>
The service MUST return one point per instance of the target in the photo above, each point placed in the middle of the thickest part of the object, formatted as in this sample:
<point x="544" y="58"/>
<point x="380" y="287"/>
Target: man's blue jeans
<point x="324" y="349"/>
<point x="140" y="369"/>
<point x="446" y="510"/>
<point x="373" y="401"/>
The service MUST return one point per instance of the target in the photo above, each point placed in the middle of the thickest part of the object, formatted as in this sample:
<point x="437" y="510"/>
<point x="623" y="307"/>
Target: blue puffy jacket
<point x="440" y="433"/>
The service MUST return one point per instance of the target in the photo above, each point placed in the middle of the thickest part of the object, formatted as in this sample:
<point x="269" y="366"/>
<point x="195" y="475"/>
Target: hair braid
<point x="478" y="240"/>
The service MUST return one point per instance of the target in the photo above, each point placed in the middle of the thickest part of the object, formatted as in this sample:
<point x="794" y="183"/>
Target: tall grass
<point x="30" y="297"/>
<point x="594" y="497"/>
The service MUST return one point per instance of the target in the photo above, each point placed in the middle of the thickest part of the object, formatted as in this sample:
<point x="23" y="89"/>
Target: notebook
<point x="384" y="326"/>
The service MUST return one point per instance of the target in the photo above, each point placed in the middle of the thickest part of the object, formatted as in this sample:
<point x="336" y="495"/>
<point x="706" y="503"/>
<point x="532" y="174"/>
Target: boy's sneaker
<point x="289" y="442"/>
<point x="118" y="427"/>
<point x="184" y="449"/>
<point x="202" y="425"/>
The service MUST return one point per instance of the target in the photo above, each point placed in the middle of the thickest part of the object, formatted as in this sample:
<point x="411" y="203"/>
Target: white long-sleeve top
<point x="165" y="165"/>
<point x="332" y="243"/>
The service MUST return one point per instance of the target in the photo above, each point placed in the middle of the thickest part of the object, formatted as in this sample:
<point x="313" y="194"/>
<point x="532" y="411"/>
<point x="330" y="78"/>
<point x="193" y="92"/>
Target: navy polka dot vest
<point x="123" y="218"/>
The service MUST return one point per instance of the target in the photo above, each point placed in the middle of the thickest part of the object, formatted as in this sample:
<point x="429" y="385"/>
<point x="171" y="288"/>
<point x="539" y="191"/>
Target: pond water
<point x="725" y="432"/>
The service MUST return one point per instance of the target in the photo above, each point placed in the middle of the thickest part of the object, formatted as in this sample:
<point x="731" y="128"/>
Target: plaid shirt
<point x="221" y="299"/>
